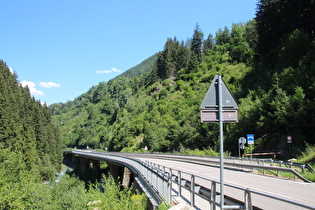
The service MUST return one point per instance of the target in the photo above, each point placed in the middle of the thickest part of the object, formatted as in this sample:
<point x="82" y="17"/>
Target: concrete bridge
<point x="180" y="179"/>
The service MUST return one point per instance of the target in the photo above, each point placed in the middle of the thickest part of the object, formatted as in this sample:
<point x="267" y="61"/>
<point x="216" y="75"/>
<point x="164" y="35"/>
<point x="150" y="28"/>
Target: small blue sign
<point x="250" y="138"/>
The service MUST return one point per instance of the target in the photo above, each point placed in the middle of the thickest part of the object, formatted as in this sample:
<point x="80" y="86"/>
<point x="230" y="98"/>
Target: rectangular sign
<point x="212" y="115"/>
<point x="250" y="138"/>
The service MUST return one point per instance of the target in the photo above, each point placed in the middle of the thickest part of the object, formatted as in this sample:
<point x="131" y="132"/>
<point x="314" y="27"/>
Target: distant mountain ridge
<point x="140" y="69"/>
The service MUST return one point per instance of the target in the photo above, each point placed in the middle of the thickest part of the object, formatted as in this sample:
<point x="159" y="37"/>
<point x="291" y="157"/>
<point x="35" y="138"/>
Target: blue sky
<point x="61" y="48"/>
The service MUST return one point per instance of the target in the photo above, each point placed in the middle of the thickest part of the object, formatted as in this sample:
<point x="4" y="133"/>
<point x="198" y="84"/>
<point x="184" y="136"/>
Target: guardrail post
<point x="170" y="176"/>
<point x="248" y="200"/>
<point x="213" y="195"/>
<point x="157" y="181"/>
<point x="179" y="184"/>
<point x="192" y="191"/>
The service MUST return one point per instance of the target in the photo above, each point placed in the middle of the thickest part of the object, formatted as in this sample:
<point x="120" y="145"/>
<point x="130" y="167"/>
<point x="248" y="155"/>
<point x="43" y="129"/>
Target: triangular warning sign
<point x="211" y="100"/>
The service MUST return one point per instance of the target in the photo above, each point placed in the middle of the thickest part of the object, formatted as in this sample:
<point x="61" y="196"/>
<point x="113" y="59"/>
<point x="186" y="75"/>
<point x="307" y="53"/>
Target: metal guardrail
<point x="251" y="160"/>
<point x="287" y="164"/>
<point x="230" y="163"/>
<point x="309" y="168"/>
<point x="187" y="181"/>
<point x="165" y="183"/>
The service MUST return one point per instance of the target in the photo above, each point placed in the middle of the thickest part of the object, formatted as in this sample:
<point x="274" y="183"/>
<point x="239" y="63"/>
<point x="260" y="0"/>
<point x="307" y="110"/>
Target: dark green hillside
<point x="140" y="69"/>
<point x="30" y="145"/>
<point x="31" y="152"/>
<point x="27" y="133"/>
<point x="271" y="77"/>
<point x="280" y="100"/>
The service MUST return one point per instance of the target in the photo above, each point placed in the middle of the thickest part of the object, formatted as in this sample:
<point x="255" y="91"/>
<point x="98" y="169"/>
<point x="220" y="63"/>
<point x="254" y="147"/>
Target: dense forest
<point x="30" y="143"/>
<point x="267" y="63"/>
<point x="31" y="152"/>
<point x="29" y="139"/>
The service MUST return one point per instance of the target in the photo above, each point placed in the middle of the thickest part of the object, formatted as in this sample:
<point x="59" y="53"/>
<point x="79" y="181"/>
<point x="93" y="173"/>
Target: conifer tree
<point x="196" y="43"/>
<point x="26" y="129"/>
<point x="208" y="43"/>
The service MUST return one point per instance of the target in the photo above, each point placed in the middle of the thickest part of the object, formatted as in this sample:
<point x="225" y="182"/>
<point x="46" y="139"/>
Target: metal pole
<point x="221" y="143"/>
<point x="251" y="154"/>
<point x="239" y="149"/>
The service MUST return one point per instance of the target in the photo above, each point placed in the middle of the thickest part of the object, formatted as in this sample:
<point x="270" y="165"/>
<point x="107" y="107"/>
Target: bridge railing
<point x="167" y="183"/>
<point x="176" y="183"/>
<point x="228" y="163"/>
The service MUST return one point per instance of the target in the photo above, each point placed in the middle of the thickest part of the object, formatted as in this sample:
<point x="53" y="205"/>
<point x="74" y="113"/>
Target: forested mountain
<point x="267" y="63"/>
<point x="30" y="144"/>
<point x="140" y="69"/>
<point x="159" y="109"/>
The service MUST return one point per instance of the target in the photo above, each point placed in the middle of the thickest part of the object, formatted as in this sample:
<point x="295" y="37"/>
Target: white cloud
<point x="31" y="87"/>
<point x="49" y="84"/>
<point x="11" y="70"/>
<point x="103" y="72"/>
<point x="115" y="70"/>
<point x="107" y="71"/>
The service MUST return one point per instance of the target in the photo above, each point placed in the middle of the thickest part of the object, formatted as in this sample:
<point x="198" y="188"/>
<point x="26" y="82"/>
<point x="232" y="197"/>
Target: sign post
<point x="241" y="145"/>
<point x="221" y="144"/>
<point x="289" y="139"/>
<point x="219" y="106"/>
<point x="250" y="142"/>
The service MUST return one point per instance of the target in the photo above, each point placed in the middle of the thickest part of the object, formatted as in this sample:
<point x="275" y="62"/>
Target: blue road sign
<point x="250" y="138"/>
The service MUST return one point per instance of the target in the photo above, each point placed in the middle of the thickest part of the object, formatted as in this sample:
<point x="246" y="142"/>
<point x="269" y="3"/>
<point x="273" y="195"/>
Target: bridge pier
<point x="83" y="164"/>
<point x="121" y="173"/>
<point x="126" y="177"/>
<point x="95" y="169"/>
<point x="89" y="169"/>
<point x="113" y="170"/>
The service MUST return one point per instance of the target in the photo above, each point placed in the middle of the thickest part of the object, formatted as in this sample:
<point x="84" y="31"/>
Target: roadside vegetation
<point x="71" y="193"/>
<point x="308" y="157"/>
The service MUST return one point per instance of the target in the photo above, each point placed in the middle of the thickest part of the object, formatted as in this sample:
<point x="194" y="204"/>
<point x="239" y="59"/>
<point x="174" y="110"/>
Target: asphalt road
<point x="293" y="190"/>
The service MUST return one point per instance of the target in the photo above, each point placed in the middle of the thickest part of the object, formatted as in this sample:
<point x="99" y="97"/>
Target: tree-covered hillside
<point x="30" y="145"/>
<point x="27" y="134"/>
<point x="31" y="152"/>
<point x="159" y="109"/>
<point x="267" y="63"/>
<point x="140" y="69"/>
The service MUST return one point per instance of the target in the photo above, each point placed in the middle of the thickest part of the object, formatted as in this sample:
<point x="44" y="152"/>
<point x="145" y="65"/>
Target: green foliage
<point x="196" y="43"/>
<point x="308" y="156"/>
<point x="268" y="64"/>
<point x="113" y="197"/>
<point x="69" y="193"/>
<point x="140" y="69"/>
<point x="27" y="133"/>
<point x="249" y="149"/>
<point x="277" y="19"/>
<point x="163" y="206"/>
<point x="270" y="74"/>
<point x="208" y="151"/>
